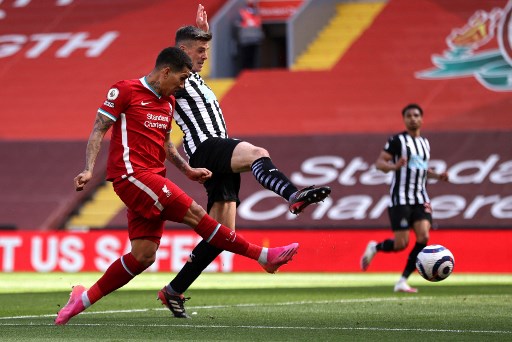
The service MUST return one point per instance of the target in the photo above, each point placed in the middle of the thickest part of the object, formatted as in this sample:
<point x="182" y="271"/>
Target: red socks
<point x="117" y="275"/>
<point x="222" y="237"/>
<point x="127" y="267"/>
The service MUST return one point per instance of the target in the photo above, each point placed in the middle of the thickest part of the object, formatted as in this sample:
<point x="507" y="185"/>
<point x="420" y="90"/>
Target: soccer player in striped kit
<point x="407" y="155"/>
<point x="139" y="111"/>
<point x="208" y="145"/>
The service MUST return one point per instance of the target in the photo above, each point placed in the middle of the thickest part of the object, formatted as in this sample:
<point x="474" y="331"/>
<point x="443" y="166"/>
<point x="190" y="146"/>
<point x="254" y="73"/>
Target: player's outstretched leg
<point x="73" y="307"/>
<point x="175" y="303"/>
<point x="273" y="258"/>
<point x="369" y="253"/>
<point x="307" y="196"/>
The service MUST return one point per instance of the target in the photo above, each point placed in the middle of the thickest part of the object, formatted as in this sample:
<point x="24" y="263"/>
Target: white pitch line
<point x="340" y="301"/>
<point x="258" y="327"/>
<point x="366" y="300"/>
<point x="458" y="331"/>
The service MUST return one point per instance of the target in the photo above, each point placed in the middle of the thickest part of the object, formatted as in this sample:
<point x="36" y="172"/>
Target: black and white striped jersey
<point x="409" y="183"/>
<point x="198" y="113"/>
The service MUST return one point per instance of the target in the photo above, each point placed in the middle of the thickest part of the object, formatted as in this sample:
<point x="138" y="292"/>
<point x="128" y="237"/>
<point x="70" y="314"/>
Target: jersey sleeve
<point x="393" y="146"/>
<point x="117" y="100"/>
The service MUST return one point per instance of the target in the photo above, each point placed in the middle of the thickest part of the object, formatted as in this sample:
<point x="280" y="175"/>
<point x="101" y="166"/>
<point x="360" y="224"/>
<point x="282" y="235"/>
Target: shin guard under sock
<point x="224" y="238"/>
<point x="386" y="246"/>
<point x="271" y="178"/>
<point x="411" y="260"/>
<point x="119" y="273"/>
<point x="202" y="255"/>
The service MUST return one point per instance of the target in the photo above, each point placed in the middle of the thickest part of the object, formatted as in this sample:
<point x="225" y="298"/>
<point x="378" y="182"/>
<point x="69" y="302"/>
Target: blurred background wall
<point x="332" y="80"/>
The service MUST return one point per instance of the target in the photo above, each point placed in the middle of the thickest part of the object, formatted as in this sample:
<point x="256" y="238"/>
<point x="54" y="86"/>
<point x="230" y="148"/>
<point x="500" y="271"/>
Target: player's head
<point x="173" y="58"/>
<point x="412" y="106"/>
<point x="172" y="67"/>
<point x="194" y="42"/>
<point x="413" y="117"/>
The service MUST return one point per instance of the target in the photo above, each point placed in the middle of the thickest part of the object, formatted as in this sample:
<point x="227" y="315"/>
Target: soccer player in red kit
<point x="139" y="112"/>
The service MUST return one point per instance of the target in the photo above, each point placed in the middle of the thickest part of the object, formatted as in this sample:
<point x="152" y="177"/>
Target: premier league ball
<point x="435" y="263"/>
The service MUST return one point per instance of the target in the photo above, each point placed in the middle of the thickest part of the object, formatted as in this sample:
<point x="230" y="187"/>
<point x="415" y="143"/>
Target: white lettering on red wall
<point x="8" y="247"/>
<point x="94" y="251"/>
<point x="326" y="170"/>
<point x="66" y="44"/>
<point x="479" y="193"/>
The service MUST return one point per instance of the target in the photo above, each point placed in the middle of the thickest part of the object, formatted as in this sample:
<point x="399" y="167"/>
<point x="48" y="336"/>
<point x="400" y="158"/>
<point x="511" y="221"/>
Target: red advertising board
<point x="320" y="251"/>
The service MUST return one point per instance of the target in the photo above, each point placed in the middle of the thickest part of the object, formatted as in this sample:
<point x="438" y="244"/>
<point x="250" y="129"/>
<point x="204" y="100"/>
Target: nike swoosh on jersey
<point x="144" y="103"/>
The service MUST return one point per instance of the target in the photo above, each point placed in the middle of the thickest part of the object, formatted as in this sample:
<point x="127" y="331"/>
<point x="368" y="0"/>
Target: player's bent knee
<point x="422" y="239"/>
<point x="144" y="251"/>
<point x="194" y="214"/>
<point x="147" y="261"/>
<point x="259" y="152"/>
<point x="400" y="245"/>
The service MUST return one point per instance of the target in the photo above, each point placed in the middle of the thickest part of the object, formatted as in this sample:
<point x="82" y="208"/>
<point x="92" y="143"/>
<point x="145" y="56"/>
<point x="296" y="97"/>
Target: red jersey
<point x="142" y="122"/>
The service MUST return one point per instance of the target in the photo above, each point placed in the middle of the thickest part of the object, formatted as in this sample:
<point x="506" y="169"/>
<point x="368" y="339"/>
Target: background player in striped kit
<point x="407" y="154"/>
<point x="207" y="145"/>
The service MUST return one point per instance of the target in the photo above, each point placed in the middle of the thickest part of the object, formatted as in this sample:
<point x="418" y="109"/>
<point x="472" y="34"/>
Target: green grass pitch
<point x="263" y="307"/>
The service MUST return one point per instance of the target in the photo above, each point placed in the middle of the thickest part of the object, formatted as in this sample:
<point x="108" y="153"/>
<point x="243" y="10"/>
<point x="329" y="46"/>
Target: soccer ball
<point x="435" y="263"/>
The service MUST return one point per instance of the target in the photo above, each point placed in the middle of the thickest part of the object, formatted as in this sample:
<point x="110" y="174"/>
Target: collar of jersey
<point x="197" y="77"/>
<point x="146" y="84"/>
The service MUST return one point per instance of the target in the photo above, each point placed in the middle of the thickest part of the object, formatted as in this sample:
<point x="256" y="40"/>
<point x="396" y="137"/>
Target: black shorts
<point x="402" y="217"/>
<point x="215" y="155"/>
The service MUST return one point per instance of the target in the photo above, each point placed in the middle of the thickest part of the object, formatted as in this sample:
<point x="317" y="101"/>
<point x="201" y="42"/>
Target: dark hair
<point x="174" y="58"/>
<point x="187" y="33"/>
<point x="412" y="106"/>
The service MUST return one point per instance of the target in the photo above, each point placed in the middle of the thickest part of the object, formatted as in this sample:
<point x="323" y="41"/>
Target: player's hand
<point x="200" y="174"/>
<point x="202" y="19"/>
<point x="443" y="176"/>
<point x="401" y="162"/>
<point x="83" y="178"/>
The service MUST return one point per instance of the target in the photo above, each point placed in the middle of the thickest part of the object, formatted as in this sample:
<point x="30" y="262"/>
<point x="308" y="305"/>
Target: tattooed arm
<point x="197" y="174"/>
<point x="101" y="125"/>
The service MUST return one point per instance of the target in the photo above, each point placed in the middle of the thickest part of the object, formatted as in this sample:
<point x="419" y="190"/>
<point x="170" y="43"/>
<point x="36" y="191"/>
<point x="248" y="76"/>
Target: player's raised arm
<point x="101" y="125"/>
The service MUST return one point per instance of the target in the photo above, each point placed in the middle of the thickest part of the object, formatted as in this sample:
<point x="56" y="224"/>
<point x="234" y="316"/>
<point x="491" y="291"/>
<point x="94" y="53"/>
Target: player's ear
<point x="166" y="72"/>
